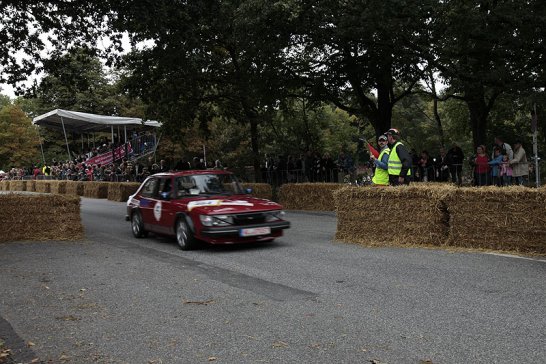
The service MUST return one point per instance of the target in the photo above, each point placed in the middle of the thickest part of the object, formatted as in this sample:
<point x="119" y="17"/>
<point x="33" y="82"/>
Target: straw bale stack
<point x="308" y="196"/>
<point x="404" y="215"/>
<point x="18" y="185"/>
<point x="95" y="189"/>
<point x="31" y="185"/>
<point x="75" y="188"/>
<point x="5" y="185"/>
<point x="121" y="191"/>
<point x="259" y="190"/>
<point x="512" y="218"/>
<point x="58" y="187"/>
<point x="40" y="217"/>
<point x="43" y="186"/>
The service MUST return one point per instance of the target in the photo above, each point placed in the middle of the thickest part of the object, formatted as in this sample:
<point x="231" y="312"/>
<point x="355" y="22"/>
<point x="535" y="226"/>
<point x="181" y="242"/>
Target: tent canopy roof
<point x="82" y="122"/>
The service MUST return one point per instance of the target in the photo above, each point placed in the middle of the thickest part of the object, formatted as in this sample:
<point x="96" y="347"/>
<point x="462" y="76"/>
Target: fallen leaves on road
<point x="64" y="358"/>
<point x="5" y="354"/>
<point x="68" y="318"/>
<point x="207" y="302"/>
<point x="376" y="361"/>
<point x="426" y="361"/>
<point x="280" y="344"/>
<point x="212" y="358"/>
<point x="30" y="344"/>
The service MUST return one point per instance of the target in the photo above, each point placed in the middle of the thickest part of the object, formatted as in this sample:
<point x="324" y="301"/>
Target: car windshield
<point x="208" y="184"/>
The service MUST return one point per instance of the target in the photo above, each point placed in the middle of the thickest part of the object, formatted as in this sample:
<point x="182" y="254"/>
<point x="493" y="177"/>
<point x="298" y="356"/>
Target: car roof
<point x="192" y="172"/>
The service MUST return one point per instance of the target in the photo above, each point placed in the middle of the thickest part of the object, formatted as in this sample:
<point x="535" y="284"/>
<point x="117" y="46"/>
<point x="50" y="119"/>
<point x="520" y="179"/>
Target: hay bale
<point x="308" y="196"/>
<point x="31" y="185"/>
<point x="121" y="191"/>
<point x="5" y="185"/>
<point x="43" y="186"/>
<point x="405" y="215"/>
<point x="512" y="219"/>
<point x="95" y="189"/>
<point x="18" y="185"/>
<point x="259" y="190"/>
<point x="58" y="187"/>
<point x="74" y="188"/>
<point x="40" y="217"/>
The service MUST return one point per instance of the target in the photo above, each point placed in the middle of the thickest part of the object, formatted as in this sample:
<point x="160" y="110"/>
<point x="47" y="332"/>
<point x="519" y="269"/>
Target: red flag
<point x="373" y="151"/>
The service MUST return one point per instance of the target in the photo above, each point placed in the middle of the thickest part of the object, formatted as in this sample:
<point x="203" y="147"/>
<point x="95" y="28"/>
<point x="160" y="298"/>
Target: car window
<point x="149" y="188"/>
<point x="165" y="185"/>
<point x="209" y="184"/>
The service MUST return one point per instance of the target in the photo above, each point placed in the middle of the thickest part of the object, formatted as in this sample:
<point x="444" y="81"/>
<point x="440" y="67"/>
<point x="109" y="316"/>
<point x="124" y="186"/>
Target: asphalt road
<point x="301" y="299"/>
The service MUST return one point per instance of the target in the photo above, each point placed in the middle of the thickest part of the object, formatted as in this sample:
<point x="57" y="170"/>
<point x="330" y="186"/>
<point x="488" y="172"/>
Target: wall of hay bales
<point x="95" y="189"/>
<point x="308" y="196"/>
<point x="43" y="186"/>
<point x="75" y="188"/>
<point x="5" y="185"/>
<point x="260" y="190"/>
<point x="121" y="191"/>
<point x="31" y="185"/>
<point x="509" y="219"/>
<point x="58" y="187"/>
<point x="392" y="216"/>
<point x="18" y="185"/>
<point x="39" y="217"/>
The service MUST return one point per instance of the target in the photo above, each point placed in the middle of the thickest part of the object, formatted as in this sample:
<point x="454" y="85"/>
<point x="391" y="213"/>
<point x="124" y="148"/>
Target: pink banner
<point x="107" y="158"/>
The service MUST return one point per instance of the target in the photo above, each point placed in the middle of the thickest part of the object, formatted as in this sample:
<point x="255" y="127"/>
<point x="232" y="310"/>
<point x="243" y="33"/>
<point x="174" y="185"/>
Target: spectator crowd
<point x="503" y="166"/>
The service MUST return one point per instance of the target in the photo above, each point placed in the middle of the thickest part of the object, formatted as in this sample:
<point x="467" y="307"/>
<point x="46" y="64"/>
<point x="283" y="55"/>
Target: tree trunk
<point x="479" y="113"/>
<point x="255" y="145"/>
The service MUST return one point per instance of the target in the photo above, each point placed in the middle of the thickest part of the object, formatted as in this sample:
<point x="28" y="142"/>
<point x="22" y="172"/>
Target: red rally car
<point x="207" y="206"/>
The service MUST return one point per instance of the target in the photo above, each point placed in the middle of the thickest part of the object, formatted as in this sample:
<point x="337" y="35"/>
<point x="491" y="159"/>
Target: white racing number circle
<point x="157" y="211"/>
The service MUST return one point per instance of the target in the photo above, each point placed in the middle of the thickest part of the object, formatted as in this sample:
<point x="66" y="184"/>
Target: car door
<point x="148" y="201"/>
<point x="164" y="209"/>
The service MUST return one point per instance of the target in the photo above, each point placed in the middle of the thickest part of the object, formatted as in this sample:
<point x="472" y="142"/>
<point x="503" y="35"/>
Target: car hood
<point x="230" y="205"/>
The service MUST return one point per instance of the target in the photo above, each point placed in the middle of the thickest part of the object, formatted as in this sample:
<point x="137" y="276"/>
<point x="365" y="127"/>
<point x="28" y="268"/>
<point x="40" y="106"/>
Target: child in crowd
<point x="506" y="171"/>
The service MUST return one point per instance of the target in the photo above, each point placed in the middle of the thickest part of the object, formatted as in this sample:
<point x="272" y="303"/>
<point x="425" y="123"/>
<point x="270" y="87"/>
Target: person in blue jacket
<point x="495" y="166"/>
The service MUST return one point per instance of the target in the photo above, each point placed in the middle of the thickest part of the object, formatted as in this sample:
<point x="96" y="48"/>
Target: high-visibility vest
<point x="381" y="176"/>
<point x="395" y="165"/>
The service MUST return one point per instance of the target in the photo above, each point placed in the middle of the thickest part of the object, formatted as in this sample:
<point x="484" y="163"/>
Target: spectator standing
<point x="425" y="167"/>
<point x="504" y="147"/>
<point x="520" y="166"/>
<point x="506" y="171"/>
<point x="495" y="166"/>
<point x="481" y="167"/>
<point x="399" y="165"/>
<point x="381" y="174"/>
<point x="454" y="160"/>
<point x="441" y="167"/>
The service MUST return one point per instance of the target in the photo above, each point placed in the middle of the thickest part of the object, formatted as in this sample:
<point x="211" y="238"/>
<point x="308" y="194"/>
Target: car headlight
<point x="216" y="220"/>
<point x="274" y="216"/>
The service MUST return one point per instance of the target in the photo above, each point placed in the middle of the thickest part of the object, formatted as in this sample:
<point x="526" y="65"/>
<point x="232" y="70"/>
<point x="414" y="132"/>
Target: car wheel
<point x="137" y="225"/>
<point x="184" y="237"/>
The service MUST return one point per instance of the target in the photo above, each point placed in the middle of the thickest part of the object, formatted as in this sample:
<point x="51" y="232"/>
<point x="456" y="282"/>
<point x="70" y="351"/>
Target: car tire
<point x="184" y="237"/>
<point x="137" y="225"/>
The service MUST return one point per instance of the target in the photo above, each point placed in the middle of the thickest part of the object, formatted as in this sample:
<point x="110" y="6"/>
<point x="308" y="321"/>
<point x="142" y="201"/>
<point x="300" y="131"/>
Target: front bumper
<point x="233" y="231"/>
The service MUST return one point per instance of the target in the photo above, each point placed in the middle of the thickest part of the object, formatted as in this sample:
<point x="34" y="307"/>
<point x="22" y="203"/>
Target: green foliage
<point x="18" y="138"/>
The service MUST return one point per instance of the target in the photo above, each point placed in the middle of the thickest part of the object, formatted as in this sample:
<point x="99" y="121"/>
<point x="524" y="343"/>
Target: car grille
<point x="248" y="219"/>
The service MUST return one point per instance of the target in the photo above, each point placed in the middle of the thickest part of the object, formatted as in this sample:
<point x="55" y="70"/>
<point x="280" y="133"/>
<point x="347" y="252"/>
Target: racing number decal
<point x="157" y="211"/>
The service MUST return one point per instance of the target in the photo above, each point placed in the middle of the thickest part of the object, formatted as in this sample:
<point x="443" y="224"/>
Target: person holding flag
<point x="399" y="165"/>
<point x="381" y="174"/>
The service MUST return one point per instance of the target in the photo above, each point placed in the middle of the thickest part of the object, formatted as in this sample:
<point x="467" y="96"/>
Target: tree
<point x="18" y="138"/>
<point x="361" y="55"/>
<point x="207" y="59"/>
<point x="485" y="49"/>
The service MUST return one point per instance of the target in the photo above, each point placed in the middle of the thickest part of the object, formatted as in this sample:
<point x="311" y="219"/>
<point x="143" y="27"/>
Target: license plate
<point x="256" y="231"/>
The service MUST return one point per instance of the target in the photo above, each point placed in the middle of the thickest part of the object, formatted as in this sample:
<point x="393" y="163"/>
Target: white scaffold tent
<point x="81" y="123"/>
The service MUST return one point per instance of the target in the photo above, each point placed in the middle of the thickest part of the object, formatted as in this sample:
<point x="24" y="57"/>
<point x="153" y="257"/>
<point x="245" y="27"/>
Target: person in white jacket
<point x="520" y="167"/>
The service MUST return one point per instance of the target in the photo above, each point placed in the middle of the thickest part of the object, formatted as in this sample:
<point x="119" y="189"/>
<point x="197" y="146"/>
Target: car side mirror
<point x="249" y="190"/>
